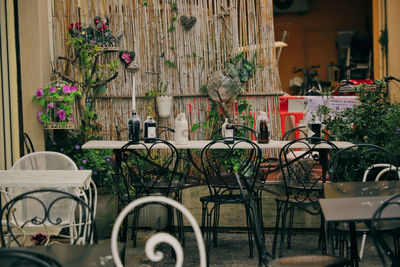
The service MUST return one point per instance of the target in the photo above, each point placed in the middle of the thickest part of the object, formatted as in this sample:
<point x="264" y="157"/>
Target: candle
<point x="133" y="94"/>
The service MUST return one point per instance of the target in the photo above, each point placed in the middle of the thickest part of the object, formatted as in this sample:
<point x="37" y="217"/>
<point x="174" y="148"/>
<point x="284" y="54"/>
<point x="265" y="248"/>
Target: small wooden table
<point x="353" y="202"/>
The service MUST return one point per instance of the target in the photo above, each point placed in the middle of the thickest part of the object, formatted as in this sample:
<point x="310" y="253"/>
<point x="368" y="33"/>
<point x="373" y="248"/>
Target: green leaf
<point x="195" y="127"/>
<point x="242" y="108"/>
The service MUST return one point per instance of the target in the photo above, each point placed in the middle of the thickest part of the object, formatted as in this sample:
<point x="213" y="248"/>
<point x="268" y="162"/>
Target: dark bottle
<point x="263" y="133"/>
<point x="134" y="128"/>
<point x="150" y="130"/>
<point x="229" y="133"/>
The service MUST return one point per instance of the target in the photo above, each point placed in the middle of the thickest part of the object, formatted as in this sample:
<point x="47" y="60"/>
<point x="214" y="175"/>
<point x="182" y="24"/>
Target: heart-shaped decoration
<point x="188" y="22"/>
<point x="126" y="57"/>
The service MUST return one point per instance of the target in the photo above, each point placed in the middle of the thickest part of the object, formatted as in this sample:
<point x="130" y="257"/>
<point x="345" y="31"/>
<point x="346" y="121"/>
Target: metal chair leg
<point x="277" y="220"/>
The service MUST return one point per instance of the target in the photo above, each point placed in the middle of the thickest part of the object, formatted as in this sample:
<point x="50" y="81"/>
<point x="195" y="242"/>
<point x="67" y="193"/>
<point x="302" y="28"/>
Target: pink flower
<point x="39" y="115"/>
<point x="66" y="89"/>
<point x="73" y="89"/>
<point x="62" y="114"/>
<point x="71" y="26"/>
<point x="52" y="89"/>
<point x="39" y="93"/>
<point x="128" y="60"/>
<point x="50" y="105"/>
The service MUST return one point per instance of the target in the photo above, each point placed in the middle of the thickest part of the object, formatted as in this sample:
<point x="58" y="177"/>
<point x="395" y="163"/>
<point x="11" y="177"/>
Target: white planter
<point x="164" y="106"/>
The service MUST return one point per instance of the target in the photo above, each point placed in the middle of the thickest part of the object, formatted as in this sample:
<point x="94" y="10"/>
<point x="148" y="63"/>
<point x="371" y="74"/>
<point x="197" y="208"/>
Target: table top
<point x="361" y="189"/>
<point x="45" y="178"/>
<point x="353" y="209"/>
<point x="106" y="144"/>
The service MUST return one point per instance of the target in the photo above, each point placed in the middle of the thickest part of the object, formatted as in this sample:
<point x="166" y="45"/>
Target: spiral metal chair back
<point x="48" y="205"/>
<point x="158" y="238"/>
<point x="302" y="169"/>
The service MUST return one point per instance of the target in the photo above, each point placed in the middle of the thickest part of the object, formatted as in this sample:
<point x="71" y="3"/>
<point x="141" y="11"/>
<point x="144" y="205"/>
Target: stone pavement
<point x="233" y="250"/>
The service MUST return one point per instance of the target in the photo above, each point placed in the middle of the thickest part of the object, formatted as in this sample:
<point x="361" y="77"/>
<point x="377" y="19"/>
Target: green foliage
<point x="170" y="63"/>
<point x="241" y="66"/>
<point x="99" y="161"/>
<point x="375" y="120"/>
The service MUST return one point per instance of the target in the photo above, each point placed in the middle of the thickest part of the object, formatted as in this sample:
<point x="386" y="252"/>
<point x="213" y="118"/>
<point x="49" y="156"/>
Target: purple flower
<point x="73" y="89"/>
<point x="84" y="161"/>
<point x="92" y="41"/>
<point x="77" y="146"/>
<point x="61" y="149"/>
<point x="66" y="89"/>
<point x="39" y="115"/>
<point x="62" y="114"/>
<point x="94" y="172"/>
<point x="50" y="105"/>
<point x="39" y="93"/>
<point x="108" y="159"/>
<point x="81" y="167"/>
<point x="52" y="89"/>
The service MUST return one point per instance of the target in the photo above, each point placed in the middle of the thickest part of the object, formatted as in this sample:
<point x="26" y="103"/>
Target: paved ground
<point x="233" y="250"/>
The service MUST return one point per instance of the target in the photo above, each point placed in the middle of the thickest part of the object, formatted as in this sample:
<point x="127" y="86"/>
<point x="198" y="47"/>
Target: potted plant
<point x="58" y="105"/>
<point x="163" y="101"/>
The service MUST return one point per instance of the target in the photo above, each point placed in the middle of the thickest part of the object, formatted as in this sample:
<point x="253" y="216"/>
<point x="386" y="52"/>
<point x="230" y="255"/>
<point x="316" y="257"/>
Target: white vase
<point x="164" y="106"/>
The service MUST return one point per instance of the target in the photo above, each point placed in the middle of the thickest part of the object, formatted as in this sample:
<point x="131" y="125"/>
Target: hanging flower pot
<point x="164" y="106"/>
<point x="100" y="90"/>
<point x="57" y="100"/>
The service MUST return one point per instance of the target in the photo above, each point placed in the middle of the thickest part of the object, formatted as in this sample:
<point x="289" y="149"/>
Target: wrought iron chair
<point x="19" y="257"/>
<point x="48" y="208"/>
<point x="158" y="238"/>
<point x="227" y="167"/>
<point x="28" y="144"/>
<point x="150" y="170"/>
<point x="361" y="163"/>
<point x="381" y="235"/>
<point x="303" y="174"/>
<point x="51" y="160"/>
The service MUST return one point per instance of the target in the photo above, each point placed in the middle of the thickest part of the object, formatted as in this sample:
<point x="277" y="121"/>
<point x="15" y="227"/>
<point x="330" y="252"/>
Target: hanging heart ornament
<point x="188" y="22"/>
<point x="127" y="57"/>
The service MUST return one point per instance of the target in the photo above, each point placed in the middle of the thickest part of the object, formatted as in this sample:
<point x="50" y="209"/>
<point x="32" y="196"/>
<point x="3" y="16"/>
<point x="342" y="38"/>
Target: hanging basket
<point x="58" y="102"/>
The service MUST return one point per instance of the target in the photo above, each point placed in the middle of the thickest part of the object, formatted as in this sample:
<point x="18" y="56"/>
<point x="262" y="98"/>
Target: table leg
<point x="354" y="260"/>
<point x="117" y="167"/>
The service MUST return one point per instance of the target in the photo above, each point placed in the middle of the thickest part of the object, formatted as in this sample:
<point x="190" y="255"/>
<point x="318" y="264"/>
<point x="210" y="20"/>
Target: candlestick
<point x="133" y="94"/>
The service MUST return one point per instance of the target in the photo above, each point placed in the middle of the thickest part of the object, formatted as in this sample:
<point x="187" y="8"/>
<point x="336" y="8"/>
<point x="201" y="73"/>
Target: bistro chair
<point x="48" y="209"/>
<point x="51" y="160"/>
<point x="230" y="172"/>
<point x="28" y="144"/>
<point x="361" y="163"/>
<point x="21" y="257"/>
<point x="150" y="170"/>
<point x="303" y="174"/>
<point x="381" y="235"/>
<point x="158" y="238"/>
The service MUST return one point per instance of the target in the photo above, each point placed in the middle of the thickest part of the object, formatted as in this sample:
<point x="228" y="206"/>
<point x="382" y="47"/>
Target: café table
<point x="116" y="147"/>
<point x="352" y="202"/>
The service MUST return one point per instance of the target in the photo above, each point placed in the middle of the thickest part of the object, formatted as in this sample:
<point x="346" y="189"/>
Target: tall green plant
<point x="375" y="120"/>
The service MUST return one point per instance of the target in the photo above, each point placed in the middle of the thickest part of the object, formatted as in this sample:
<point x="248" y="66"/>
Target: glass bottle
<point x="229" y="133"/>
<point x="314" y="130"/>
<point x="134" y="128"/>
<point x="262" y="130"/>
<point x="150" y="130"/>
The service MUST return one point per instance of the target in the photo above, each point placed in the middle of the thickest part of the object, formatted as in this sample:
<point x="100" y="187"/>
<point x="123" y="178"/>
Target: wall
<point x="312" y="37"/>
<point x="35" y="62"/>
<point x="393" y="21"/>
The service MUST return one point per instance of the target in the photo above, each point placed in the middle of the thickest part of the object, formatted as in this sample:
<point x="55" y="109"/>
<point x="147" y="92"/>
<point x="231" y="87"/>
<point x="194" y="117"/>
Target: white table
<point x="104" y="144"/>
<point x="45" y="178"/>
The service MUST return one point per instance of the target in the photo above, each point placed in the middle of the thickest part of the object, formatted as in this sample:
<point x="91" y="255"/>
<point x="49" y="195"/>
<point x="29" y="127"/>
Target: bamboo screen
<point x="183" y="59"/>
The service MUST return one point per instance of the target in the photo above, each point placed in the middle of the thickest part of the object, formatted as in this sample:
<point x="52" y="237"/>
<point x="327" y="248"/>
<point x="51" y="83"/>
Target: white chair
<point x="50" y="160"/>
<point x="387" y="168"/>
<point x="158" y="238"/>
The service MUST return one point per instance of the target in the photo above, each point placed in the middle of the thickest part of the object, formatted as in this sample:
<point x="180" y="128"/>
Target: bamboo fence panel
<point x="182" y="59"/>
